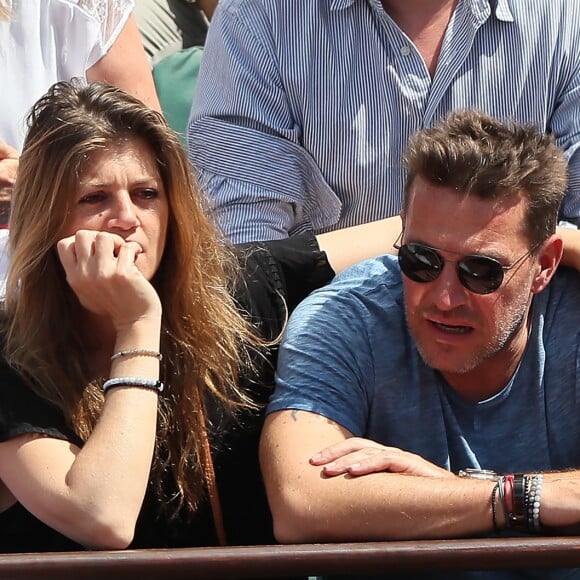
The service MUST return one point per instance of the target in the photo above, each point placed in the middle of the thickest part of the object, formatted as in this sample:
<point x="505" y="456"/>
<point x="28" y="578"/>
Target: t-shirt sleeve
<point x="325" y="363"/>
<point x="22" y="411"/>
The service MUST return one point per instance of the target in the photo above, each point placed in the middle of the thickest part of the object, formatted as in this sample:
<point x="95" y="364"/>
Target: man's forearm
<point x="396" y="499"/>
<point x="383" y="507"/>
<point x="308" y="506"/>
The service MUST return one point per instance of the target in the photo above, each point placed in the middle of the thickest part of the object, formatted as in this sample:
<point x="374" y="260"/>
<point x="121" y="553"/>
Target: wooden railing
<point x="298" y="560"/>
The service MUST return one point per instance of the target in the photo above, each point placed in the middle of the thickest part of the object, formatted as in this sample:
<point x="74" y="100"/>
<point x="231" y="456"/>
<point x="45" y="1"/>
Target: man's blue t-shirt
<point x="347" y="355"/>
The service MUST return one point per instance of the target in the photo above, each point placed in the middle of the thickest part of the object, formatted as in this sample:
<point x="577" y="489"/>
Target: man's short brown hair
<point x="477" y="154"/>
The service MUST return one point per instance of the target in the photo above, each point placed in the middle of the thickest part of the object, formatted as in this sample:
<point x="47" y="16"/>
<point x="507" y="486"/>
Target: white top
<point x="46" y="41"/>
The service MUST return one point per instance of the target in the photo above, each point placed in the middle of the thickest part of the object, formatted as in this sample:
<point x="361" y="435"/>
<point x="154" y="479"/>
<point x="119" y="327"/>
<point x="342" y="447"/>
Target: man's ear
<point x="549" y="257"/>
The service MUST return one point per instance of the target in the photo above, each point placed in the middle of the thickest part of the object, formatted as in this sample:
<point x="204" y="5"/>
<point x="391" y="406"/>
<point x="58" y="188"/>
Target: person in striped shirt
<point x="303" y="108"/>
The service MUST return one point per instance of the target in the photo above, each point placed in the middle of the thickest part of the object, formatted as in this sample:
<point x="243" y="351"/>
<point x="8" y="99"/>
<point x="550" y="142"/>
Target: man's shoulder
<point x="367" y="275"/>
<point x="558" y="303"/>
<point x="559" y="10"/>
<point x="376" y="280"/>
<point x="564" y="289"/>
<point x="281" y="15"/>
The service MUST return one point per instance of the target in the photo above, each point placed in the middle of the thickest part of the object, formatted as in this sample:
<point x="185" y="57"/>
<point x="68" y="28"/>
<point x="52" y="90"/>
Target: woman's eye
<point x="148" y="193"/>
<point x="92" y="198"/>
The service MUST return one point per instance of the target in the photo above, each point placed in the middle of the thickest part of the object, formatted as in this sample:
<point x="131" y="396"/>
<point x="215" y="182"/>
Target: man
<point x="303" y="108"/>
<point x="463" y="353"/>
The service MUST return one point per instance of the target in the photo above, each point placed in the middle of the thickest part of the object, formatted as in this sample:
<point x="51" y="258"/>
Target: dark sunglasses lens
<point x="481" y="275"/>
<point x="419" y="263"/>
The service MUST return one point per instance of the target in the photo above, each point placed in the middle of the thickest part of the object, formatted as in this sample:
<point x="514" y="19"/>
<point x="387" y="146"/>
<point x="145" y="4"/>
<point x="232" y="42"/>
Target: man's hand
<point x="357" y="456"/>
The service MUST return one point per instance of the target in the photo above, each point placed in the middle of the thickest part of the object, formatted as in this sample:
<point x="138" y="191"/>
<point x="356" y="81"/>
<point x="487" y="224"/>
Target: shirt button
<point x="405" y="50"/>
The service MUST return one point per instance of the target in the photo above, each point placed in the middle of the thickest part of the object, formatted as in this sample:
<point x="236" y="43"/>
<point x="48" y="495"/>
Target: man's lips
<point x="451" y="328"/>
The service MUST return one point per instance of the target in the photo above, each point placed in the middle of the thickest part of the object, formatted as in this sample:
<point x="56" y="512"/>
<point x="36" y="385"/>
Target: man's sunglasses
<point x="479" y="274"/>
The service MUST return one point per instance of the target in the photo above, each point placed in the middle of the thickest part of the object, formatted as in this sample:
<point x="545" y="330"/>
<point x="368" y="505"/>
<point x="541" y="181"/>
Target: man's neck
<point x="424" y="22"/>
<point x="492" y="375"/>
<point x="413" y="16"/>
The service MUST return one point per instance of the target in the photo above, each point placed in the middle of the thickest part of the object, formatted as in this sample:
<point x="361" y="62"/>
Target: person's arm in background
<point x="8" y="165"/>
<point x="243" y="138"/>
<point x="126" y="66"/>
<point x="348" y="246"/>
<point x="8" y="168"/>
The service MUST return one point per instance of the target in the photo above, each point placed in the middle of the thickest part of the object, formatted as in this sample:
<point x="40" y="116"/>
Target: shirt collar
<point x="500" y="7"/>
<point x="502" y="10"/>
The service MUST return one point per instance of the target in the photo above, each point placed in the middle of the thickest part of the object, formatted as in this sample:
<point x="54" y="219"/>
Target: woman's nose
<point x="123" y="213"/>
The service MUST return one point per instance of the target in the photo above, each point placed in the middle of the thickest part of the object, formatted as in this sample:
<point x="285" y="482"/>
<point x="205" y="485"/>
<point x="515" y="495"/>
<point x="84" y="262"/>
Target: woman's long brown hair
<point x="206" y="344"/>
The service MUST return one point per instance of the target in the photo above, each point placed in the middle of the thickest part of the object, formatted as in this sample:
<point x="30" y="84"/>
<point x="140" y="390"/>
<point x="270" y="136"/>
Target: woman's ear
<point x="549" y="257"/>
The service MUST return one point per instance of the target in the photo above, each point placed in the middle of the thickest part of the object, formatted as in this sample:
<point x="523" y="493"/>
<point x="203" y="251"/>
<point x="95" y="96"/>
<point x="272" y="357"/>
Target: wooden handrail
<point x="299" y="560"/>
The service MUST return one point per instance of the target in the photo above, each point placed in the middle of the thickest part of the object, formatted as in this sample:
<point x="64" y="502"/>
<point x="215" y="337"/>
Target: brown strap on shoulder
<point x="210" y="481"/>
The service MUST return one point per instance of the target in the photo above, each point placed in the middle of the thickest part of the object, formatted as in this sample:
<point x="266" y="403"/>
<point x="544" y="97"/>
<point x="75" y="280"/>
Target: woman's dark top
<point x="276" y="276"/>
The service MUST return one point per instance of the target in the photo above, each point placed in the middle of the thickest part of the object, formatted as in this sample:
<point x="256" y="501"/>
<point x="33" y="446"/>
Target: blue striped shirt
<point x="304" y="107"/>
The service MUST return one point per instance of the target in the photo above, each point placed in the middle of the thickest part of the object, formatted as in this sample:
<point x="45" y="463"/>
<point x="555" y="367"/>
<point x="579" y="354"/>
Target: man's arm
<point x="348" y="246"/>
<point x="244" y="139"/>
<point x="308" y="506"/>
<point x="400" y="497"/>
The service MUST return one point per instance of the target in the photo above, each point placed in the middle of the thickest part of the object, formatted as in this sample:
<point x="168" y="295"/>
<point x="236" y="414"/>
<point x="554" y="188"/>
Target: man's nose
<point x="446" y="291"/>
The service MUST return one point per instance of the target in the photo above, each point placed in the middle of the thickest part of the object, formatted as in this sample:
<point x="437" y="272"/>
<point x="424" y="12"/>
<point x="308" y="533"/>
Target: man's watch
<point x="472" y="473"/>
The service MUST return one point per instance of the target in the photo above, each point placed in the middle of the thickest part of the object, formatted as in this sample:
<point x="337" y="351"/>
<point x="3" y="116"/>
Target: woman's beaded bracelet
<point x="137" y="352"/>
<point x="133" y="382"/>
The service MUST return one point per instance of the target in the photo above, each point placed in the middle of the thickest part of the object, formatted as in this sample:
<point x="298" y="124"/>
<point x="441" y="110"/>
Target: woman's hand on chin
<point x="100" y="268"/>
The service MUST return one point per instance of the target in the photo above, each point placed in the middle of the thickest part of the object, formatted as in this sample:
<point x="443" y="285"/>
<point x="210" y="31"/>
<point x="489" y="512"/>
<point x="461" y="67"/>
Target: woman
<point x="118" y="283"/>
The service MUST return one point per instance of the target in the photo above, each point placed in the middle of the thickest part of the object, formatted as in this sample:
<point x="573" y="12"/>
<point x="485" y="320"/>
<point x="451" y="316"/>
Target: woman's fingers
<point x="100" y="268"/>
